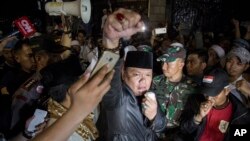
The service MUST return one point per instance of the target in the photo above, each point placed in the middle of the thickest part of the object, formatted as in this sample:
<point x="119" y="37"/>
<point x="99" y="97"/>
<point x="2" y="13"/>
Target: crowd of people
<point x="198" y="92"/>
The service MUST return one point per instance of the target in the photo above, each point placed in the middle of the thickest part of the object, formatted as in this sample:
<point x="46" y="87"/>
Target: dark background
<point x="12" y="9"/>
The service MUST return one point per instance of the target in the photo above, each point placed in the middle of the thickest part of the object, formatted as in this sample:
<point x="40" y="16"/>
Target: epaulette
<point x="29" y="84"/>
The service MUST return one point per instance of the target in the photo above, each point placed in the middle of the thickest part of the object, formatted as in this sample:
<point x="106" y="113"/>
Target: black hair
<point x="19" y="45"/>
<point x="81" y="31"/>
<point x="59" y="92"/>
<point x="57" y="77"/>
<point x="202" y="54"/>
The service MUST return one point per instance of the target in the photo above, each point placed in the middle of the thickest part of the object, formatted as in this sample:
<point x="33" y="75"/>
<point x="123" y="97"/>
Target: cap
<point x="11" y="44"/>
<point x="240" y="52"/>
<point x="46" y="43"/>
<point x="241" y="43"/>
<point x="75" y="43"/>
<point x="214" y="82"/>
<point x="144" y="48"/>
<point x="176" y="50"/>
<point x="219" y="50"/>
<point x="139" y="59"/>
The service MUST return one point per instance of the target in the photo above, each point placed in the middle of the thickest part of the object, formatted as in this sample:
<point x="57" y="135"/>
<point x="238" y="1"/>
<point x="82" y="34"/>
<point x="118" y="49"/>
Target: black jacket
<point x="121" y="117"/>
<point x="241" y="116"/>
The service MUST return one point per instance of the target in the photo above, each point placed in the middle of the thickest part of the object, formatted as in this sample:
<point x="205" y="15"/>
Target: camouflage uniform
<point x="172" y="96"/>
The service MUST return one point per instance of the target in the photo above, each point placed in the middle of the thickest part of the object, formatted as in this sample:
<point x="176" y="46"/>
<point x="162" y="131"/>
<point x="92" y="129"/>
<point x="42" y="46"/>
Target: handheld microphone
<point x="24" y="26"/>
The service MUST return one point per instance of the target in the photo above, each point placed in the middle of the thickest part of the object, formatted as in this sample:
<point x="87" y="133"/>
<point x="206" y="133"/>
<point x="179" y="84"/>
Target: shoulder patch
<point x="29" y="84"/>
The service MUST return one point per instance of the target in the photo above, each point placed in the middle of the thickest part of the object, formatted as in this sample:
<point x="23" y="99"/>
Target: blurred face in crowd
<point x="172" y="69"/>
<point x="234" y="67"/>
<point x="194" y="65"/>
<point x="165" y="44"/>
<point x="25" y="58"/>
<point x="81" y="38"/>
<point x="220" y="99"/>
<point x="8" y="56"/>
<point x="213" y="58"/>
<point x="77" y="48"/>
<point x="225" y="44"/>
<point x="138" y="79"/>
<point x="42" y="59"/>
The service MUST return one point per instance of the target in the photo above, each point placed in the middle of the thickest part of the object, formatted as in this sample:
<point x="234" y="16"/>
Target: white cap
<point x="75" y="43"/>
<point x="219" y="50"/>
<point x="176" y="44"/>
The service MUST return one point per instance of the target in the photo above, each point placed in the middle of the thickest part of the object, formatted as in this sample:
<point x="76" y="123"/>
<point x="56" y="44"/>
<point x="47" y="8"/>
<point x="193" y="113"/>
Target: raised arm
<point x="86" y="95"/>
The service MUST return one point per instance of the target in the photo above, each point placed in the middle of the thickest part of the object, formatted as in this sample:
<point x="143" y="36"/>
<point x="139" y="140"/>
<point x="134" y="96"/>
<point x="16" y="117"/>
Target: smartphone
<point x="38" y="118"/>
<point x="160" y="30"/>
<point x="107" y="57"/>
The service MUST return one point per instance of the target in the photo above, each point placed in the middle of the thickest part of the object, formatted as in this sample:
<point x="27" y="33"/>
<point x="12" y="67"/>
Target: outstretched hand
<point x="86" y="93"/>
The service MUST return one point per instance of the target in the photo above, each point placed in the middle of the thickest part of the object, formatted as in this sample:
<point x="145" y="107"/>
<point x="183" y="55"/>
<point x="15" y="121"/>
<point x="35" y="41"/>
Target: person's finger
<point x="113" y="23"/>
<point x="106" y="82"/>
<point x="133" y="19"/>
<point x="147" y="103"/>
<point x="127" y="18"/>
<point x="41" y="125"/>
<point x="99" y="76"/>
<point x="79" y="83"/>
<point x="125" y="24"/>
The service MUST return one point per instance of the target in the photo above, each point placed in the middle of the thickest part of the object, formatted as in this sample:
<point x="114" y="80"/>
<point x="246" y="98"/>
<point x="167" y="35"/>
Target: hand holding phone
<point x="107" y="57"/>
<point x="38" y="118"/>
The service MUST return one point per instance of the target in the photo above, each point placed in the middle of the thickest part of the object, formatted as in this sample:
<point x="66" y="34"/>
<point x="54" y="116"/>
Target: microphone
<point x="24" y="26"/>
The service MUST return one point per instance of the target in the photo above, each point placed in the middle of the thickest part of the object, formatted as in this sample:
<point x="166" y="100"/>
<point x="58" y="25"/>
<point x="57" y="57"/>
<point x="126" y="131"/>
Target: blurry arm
<point x="237" y="28"/>
<point x="85" y="96"/>
<point x="4" y="42"/>
<point x="122" y="23"/>
<point x="244" y="87"/>
<point x="152" y="39"/>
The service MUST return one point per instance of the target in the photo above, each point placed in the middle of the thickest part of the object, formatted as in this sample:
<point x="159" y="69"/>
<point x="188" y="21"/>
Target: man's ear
<point x="37" y="57"/>
<point x="181" y="63"/>
<point x="16" y="57"/>
<point x="203" y="65"/>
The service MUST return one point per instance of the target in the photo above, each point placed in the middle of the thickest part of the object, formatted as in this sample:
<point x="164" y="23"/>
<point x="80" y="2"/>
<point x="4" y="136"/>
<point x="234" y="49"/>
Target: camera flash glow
<point x="143" y="28"/>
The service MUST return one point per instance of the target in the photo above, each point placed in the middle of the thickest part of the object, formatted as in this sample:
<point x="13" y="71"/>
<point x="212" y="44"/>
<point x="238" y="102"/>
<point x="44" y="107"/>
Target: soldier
<point x="172" y="87"/>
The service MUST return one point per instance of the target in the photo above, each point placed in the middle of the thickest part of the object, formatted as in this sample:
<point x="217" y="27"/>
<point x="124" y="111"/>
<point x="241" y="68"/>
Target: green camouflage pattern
<point x="145" y="48"/>
<point x="172" y="97"/>
<point x="172" y="54"/>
